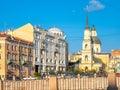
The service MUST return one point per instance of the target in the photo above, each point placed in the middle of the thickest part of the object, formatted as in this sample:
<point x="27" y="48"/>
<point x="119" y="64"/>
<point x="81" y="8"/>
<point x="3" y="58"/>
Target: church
<point x="91" y="57"/>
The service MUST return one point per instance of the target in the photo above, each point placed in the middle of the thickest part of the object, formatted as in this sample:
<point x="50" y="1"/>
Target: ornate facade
<point x="50" y="50"/>
<point x="50" y="47"/>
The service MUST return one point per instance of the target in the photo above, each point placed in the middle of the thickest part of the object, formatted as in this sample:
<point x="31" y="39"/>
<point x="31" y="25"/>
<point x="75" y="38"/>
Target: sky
<point x="67" y="15"/>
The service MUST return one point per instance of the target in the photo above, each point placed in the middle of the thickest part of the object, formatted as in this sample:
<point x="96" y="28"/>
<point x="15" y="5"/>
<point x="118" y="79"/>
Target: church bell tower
<point x="87" y="47"/>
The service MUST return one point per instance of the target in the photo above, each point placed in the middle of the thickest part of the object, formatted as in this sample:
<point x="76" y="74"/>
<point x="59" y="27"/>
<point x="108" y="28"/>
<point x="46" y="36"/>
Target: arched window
<point x="86" y="46"/>
<point x="96" y="49"/>
<point x="86" y="57"/>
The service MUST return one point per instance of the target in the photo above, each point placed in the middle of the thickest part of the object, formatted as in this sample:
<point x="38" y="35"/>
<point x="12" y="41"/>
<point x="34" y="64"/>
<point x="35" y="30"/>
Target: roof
<point x="4" y="35"/>
<point x="55" y="29"/>
<point x="93" y="28"/>
<point x="97" y="60"/>
<point x="95" y="40"/>
<point x="15" y="38"/>
<point x="115" y="53"/>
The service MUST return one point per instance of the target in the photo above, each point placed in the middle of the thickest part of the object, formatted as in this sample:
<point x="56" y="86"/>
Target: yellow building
<point x="16" y="57"/>
<point x="90" y="56"/>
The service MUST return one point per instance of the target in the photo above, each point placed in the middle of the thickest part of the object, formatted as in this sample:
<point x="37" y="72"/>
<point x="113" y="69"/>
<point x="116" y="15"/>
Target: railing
<point x="99" y="83"/>
<point x="42" y="84"/>
<point x="82" y="84"/>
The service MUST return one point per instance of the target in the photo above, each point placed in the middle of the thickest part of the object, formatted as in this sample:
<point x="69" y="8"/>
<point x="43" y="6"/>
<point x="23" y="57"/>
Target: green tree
<point x="52" y="72"/>
<point x="36" y="74"/>
<point x="59" y="72"/>
<point x="76" y="72"/>
<point x="92" y="71"/>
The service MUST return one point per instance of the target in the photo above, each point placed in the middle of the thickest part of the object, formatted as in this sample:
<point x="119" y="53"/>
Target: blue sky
<point x="69" y="16"/>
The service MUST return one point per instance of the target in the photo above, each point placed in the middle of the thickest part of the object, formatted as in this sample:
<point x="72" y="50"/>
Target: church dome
<point x="56" y="31"/>
<point x="95" y="40"/>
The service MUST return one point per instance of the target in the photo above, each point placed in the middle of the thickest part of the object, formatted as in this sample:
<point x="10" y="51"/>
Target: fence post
<point x="112" y="81"/>
<point x="53" y="83"/>
<point x="1" y="85"/>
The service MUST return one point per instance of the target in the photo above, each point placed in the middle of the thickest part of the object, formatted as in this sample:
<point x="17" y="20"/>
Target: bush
<point x="92" y="71"/>
<point x="36" y="74"/>
<point x="76" y="72"/>
<point x="81" y="73"/>
<point x="59" y="72"/>
<point x="52" y="72"/>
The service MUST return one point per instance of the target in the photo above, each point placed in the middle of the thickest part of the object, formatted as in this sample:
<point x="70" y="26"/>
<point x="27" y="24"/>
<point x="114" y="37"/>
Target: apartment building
<point x="16" y="57"/>
<point x="114" y="63"/>
<point x="50" y="47"/>
<point x="51" y="50"/>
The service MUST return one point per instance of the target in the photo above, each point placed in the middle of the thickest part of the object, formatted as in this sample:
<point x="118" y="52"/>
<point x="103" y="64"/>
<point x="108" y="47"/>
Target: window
<point x="0" y="56"/>
<point x="96" y="49"/>
<point x="36" y="51"/>
<point x="23" y="68"/>
<point x="13" y="67"/>
<point x="30" y="50"/>
<point x="86" y="57"/>
<point x="25" y="49"/>
<point x="41" y="67"/>
<point x="0" y="46"/>
<point x="37" y="36"/>
<point x="36" y="43"/>
<point x="55" y="61"/>
<point x="13" y="56"/>
<point x="36" y="59"/>
<point x="86" y="46"/>
<point x="29" y="68"/>
<point x="51" y="60"/>
<point x="47" y="60"/>
<point x="41" y="60"/>
<point x="31" y="58"/>
<point x="15" y="48"/>
<point x="7" y="46"/>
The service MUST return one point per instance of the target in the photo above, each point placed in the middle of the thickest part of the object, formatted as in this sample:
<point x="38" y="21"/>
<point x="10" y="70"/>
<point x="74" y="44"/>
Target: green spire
<point x="93" y="28"/>
<point x="87" y="18"/>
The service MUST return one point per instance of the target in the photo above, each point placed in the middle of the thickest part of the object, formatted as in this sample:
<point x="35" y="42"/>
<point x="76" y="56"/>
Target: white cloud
<point x="95" y="5"/>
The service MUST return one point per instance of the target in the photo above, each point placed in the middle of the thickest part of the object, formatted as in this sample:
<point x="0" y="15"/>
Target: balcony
<point x="42" y="47"/>
<point x="56" y="50"/>
<point x="23" y="62"/>
<point x="9" y="61"/>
